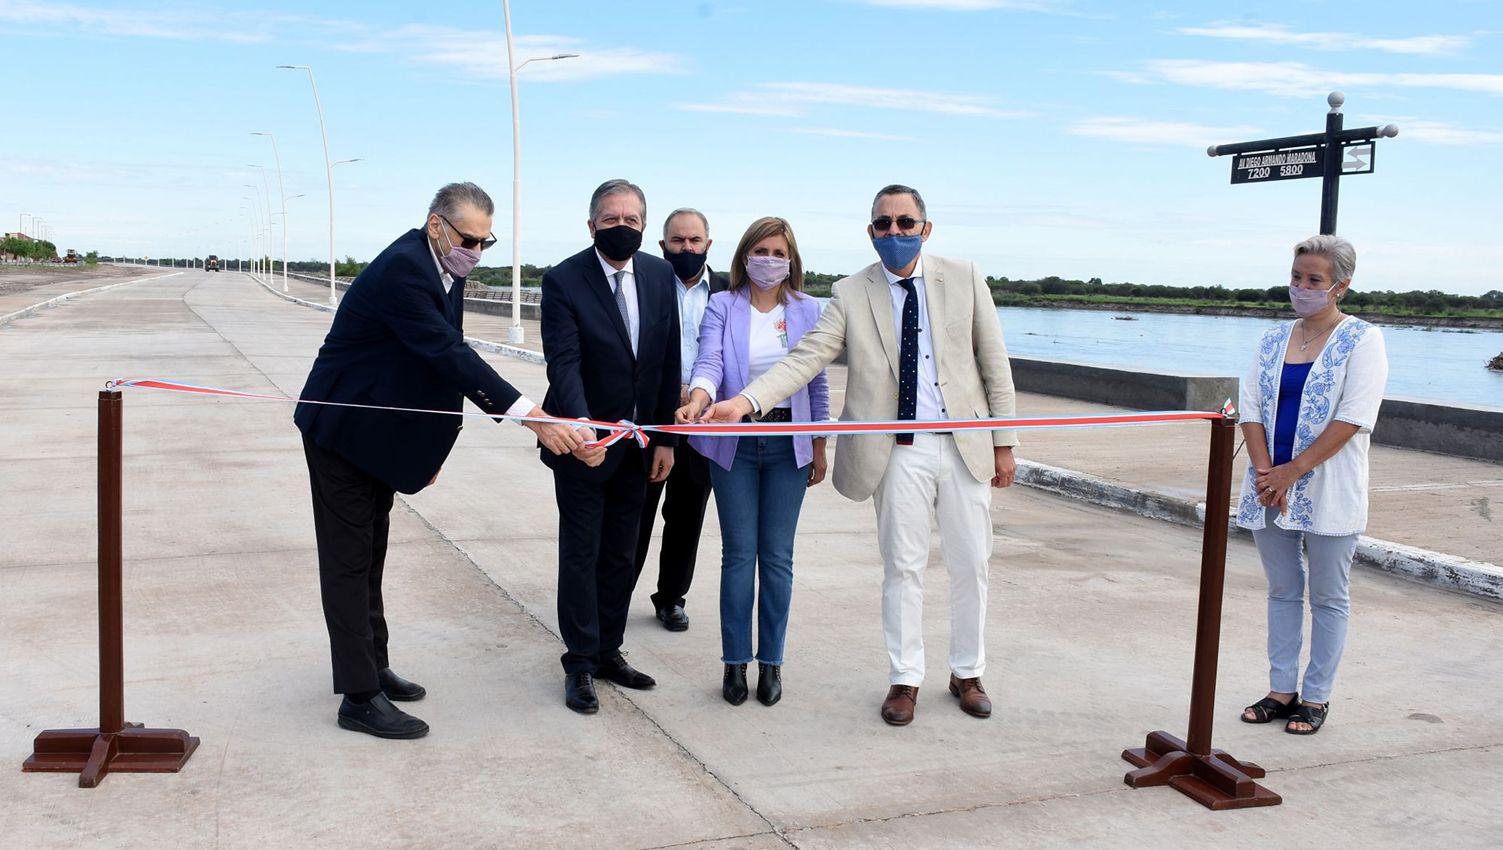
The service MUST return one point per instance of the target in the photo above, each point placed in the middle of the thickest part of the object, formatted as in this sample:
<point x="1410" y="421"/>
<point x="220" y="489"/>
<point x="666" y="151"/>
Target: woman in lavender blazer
<point x="759" y="482"/>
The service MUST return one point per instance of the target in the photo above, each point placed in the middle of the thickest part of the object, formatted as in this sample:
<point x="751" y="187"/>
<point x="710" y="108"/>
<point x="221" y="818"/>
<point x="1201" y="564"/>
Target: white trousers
<point x="922" y="480"/>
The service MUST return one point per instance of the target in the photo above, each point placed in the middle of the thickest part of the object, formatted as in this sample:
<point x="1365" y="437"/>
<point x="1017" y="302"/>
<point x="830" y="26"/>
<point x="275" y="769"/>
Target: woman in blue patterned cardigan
<point x="1310" y="402"/>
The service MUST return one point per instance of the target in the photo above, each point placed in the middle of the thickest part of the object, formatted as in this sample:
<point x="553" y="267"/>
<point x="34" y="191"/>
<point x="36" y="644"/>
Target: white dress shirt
<point x="523" y="405"/>
<point x="629" y="287"/>
<point x="692" y="301"/>
<point x="931" y="403"/>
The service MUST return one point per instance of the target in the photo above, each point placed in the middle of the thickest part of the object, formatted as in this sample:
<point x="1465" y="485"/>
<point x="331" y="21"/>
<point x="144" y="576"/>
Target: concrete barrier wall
<point x="489" y="306"/>
<point x="1475" y="432"/>
<point x="1122" y="387"/>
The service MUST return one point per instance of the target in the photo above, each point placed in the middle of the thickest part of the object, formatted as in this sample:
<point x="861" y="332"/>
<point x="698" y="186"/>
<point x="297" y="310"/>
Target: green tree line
<point x="28" y="249"/>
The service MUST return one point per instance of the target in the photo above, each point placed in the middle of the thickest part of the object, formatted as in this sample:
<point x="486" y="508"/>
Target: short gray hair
<point x="1340" y="252"/>
<point x="450" y="198"/>
<point x="684" y="211"/>
<point x="900" y="189"/>
<point x="615" y="187"/>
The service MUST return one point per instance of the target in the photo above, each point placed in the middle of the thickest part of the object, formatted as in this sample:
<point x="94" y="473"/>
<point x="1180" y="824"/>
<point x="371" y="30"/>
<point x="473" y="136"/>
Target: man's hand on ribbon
<point x="662" y="464"/>
<point x="733" y="409"/>
<point x="555" y="437"/>
<point x="587" y="453"/>
<point x="1007" y="467"/>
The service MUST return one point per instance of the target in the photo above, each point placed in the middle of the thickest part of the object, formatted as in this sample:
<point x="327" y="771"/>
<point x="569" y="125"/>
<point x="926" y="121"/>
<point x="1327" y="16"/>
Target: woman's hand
<point x="819" y="466"/>
<point x="1273" y="485"/>
<point x="690" y="412"/>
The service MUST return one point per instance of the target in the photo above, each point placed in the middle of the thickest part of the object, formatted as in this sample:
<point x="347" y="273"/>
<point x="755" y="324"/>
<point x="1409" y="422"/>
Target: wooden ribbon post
<point x="116" y="745"/>
<point x="1209" y="776"/>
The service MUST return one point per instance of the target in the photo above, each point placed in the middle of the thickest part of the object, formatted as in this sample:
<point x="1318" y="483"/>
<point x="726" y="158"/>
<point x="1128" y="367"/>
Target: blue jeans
<point x="758" y="500"/>
<point x="1330" y="566"/>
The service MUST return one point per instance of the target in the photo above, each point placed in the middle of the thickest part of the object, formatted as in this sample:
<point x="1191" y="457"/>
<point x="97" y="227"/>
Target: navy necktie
<point x="908" y="354"/>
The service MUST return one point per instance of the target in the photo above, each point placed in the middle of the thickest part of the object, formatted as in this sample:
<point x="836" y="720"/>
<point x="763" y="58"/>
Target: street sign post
<point x="1331" y="155"/>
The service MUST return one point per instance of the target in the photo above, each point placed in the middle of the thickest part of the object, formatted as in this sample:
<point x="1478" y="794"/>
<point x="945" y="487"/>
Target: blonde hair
<point x="761" y="229"/>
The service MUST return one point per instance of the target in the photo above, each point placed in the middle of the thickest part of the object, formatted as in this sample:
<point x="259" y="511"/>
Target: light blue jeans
<point x="1330" y="565"/>
<point x="758" y="500"/>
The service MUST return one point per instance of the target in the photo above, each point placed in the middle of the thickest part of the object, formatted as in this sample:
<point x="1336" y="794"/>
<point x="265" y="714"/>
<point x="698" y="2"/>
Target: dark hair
<point x="900" y="189"/>
<point x="761" y="229"/>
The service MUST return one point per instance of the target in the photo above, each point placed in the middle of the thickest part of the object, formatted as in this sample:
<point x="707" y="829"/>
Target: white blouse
<point x="768" y="343"/>
<point x="1345" y="384"/>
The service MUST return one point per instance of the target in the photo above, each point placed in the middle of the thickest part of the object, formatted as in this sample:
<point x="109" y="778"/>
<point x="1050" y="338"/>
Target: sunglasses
<point x="466" y="241"/>
<point x="882" y="224"/>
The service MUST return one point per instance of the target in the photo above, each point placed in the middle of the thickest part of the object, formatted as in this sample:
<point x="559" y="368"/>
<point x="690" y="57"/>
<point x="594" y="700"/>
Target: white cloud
<point x="147" y="23"/>
<point x="969" y="5"/>
<point x="1439" y="133"/>
<point x="1280" y="34"/>
<point x="1143" y="131"/>
<point x="851" y="134"/>
<point x="794" y="99"/>
<point x="1296" y="79"/>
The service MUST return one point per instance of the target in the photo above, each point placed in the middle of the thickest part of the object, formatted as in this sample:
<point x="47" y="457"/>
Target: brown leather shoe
<point x="897" y="709"/>
<point x="973" y="699"/>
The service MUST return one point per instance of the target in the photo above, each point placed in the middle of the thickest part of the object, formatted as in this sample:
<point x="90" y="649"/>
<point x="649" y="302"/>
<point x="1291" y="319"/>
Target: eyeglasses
<point x="466" y="241"/>
<point x="882" y="224"/>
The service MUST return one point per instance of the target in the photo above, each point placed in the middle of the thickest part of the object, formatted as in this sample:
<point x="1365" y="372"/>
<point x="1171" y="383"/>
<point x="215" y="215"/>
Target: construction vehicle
<point x="211" y="264"/>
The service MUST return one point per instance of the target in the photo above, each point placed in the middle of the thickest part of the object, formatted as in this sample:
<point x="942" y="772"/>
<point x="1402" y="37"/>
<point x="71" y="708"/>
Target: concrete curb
<point x="1450" y="572"/>
<point x="1434" y="568"/>
<point x="69" y="296"/>
<point x="473" y="341"/>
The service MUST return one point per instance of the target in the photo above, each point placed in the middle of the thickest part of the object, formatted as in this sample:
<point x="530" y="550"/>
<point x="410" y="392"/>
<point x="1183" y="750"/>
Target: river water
<point x="1442" y="365"/>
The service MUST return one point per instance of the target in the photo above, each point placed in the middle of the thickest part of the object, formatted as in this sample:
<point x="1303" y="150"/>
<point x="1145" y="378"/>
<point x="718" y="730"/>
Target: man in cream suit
<point x="923" y="342"/>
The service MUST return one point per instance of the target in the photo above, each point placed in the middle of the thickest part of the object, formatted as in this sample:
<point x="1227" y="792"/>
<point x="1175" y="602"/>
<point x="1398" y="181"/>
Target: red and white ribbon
<point x="617" y="431"/>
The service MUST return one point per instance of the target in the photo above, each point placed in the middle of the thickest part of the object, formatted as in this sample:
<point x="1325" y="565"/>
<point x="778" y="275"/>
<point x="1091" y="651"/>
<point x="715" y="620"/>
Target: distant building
<point x="8" y="257"/>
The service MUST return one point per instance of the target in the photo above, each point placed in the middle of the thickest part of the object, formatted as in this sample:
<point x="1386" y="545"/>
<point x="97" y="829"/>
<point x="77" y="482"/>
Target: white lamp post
<point x="282" y="191"/>
<point x="328" y="173"/>
<point x="516" y="335"/>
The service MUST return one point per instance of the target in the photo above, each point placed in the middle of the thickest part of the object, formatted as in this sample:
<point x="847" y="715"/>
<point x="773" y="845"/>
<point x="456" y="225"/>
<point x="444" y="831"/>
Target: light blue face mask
<point x="898" y="251"/>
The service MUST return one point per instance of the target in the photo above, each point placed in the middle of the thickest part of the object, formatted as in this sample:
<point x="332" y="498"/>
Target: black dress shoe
<point x="769" y="683"/>
<point x="579" y="693"/>
<point x="380" y="718"/>
<point x="614" y="668"/>
<point x="674" y="619"/>
<point x="399" y="689"/>
<point x="734" y="686"/>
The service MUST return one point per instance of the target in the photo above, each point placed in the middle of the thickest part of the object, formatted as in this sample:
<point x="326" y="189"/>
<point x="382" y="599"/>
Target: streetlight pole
<point x="282" y="191"/>
<point x="260" y="263"/>
<point x="516" y="334"/>
<point x="328" y="173"/>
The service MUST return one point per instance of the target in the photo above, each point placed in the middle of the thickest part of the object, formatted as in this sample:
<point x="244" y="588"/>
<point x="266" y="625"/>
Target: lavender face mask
<point x="767" y="272"/>
<point x="459" y="261"/>
<point x="1308" y="302"/>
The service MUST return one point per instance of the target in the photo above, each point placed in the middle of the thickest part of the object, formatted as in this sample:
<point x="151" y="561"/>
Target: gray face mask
<point x="1308" y="302"/>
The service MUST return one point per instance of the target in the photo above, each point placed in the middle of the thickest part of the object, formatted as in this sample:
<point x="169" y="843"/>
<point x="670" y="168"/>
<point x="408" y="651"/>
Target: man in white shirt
<point x="923" y="342"/>
<point x="686" y="246"/>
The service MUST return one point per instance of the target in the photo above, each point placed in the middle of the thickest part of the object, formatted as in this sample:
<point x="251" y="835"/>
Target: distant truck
<point x="72" y="257"/>
<point x="211" y="264"/>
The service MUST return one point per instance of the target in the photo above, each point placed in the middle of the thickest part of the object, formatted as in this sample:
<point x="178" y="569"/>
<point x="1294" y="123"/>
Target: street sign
<point x="1330" y="156"/>
<point x="1265" y="166"/>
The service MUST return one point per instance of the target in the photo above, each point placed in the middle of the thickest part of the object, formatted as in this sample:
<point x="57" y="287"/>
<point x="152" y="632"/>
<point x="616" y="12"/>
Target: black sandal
<point x="1312" y="715"/>
<point x="1268" y="709"/>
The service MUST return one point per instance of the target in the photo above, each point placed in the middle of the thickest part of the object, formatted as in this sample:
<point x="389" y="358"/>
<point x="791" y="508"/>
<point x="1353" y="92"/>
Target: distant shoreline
<point x="1458" y="322"/>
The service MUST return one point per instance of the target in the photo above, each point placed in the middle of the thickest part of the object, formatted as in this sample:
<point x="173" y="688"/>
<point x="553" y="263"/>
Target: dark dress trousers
<point x="593" y="373"/>
<point x="684" y="496"/>
<point x="396" y="341"/>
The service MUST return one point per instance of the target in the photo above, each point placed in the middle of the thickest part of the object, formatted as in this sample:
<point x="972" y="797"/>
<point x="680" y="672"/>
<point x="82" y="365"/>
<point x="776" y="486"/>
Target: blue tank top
<point x="1291" y="388"/>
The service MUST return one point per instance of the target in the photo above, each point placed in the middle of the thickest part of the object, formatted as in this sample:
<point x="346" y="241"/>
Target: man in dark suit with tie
<point x="396" y="341"/>
<point x="686" y="246"/>
<point x="610" y="335"/>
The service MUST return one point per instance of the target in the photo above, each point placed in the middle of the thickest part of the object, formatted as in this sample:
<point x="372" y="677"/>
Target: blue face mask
<point x="898" y="251"/>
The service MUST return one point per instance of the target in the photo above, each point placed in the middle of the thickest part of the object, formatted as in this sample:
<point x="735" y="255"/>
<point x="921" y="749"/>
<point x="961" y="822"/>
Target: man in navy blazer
<point x="610" y="335"/>
<point x="396" y="341"/>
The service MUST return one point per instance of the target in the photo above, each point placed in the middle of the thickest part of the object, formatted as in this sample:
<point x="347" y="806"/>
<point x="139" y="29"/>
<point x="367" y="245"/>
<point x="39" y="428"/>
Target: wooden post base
<point x="1216" y="781"/>
<point x="93" y="754"/>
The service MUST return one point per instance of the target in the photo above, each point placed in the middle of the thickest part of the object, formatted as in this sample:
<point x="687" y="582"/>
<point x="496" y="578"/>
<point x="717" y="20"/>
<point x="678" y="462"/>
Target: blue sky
<point x="1048" y="136"/>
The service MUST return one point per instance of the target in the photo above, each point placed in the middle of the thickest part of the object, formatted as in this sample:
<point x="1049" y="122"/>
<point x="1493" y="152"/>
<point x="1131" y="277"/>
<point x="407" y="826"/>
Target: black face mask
<point x="618" y="243"/>
<point x="686" y="265"/>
